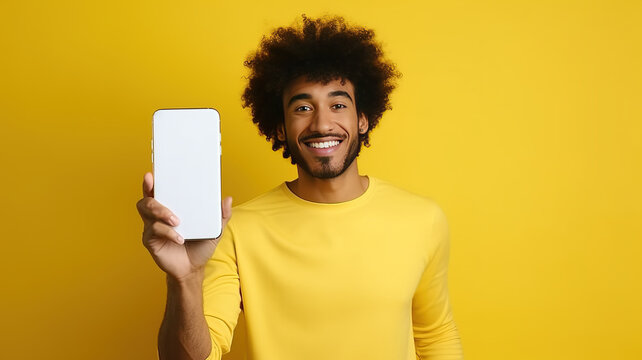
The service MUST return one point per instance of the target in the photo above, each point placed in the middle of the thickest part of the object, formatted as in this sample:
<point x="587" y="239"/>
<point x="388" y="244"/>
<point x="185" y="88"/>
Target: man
<point x="332" y="265"/>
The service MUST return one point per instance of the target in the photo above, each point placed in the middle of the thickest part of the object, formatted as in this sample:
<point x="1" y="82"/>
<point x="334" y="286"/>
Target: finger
<point x="148" y="184"/>
<point x="163" y="232"/>
<point x="151" y="211"/>
<point x="226" y="207"/>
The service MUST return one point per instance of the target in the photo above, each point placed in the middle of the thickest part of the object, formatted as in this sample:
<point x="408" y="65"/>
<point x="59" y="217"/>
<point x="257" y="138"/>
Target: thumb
<point x="226" y="207"/>
<point x="148" y="184"/>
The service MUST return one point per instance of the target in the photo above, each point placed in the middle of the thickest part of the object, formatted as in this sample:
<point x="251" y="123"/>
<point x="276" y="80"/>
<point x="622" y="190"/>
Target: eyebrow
<point x="299" y="97"/>
<point x="330" y="94"/>
<point x="340" y="93"/>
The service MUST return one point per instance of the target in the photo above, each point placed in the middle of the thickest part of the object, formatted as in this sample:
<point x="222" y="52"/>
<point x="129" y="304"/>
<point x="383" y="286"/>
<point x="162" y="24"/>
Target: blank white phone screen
<point x="186" y="156"/>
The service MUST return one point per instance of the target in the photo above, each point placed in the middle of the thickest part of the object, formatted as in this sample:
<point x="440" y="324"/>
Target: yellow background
<point x="521" y="118"/>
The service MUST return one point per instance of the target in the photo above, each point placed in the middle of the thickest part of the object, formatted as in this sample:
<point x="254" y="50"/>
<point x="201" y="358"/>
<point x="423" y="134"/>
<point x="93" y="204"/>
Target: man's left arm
<point x="435" y="332"/>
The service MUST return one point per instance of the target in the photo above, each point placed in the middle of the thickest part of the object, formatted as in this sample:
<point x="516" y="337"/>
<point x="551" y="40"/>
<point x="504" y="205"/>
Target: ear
<point x="280" y="132"/>
<point x="363" y="124"/>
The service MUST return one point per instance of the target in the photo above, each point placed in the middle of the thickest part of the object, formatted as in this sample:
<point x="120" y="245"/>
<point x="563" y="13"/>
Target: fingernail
<point x="180" y="239"/>
<point x="173" y="220"/>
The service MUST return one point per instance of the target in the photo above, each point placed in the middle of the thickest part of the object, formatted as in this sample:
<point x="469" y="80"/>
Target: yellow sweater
<point x="362" y="279"/>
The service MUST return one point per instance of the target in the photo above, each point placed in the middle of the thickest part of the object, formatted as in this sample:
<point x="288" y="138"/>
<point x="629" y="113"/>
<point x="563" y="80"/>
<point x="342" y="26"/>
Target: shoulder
<point x="415" y="216"/>
<point x="261" y="200"/>
<point x="408" y="201"/>
<point x="260" y="205"/>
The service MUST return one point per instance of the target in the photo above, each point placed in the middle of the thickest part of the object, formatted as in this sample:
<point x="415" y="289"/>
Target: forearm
<point x="441" y="343"/>
<point x="184" y="333"/>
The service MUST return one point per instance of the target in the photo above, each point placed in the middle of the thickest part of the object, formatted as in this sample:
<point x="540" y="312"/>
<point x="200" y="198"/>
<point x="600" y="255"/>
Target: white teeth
<point x="323" y="145"/>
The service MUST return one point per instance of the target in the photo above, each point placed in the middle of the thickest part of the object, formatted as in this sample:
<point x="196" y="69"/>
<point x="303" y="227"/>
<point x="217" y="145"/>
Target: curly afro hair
<point x="322" y="50"/>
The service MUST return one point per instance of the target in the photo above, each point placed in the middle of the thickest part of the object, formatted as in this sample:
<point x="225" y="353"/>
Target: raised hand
<point x="168" y="249"/>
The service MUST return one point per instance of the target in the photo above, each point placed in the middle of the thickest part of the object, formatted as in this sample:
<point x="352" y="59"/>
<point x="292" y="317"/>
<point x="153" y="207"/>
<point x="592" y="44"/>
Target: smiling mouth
<point x="323" y="144"/>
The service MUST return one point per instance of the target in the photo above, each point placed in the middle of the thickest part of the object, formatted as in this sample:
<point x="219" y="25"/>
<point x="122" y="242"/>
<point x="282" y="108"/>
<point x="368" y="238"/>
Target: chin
<point x="324" y="169"/>
<point x="327" y="167"/>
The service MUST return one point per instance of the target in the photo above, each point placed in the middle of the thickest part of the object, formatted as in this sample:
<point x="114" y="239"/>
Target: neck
<point x="347" y="186"/>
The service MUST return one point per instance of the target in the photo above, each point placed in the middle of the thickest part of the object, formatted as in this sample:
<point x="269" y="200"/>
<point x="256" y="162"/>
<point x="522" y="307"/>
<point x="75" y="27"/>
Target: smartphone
<point x="186" y="157"/>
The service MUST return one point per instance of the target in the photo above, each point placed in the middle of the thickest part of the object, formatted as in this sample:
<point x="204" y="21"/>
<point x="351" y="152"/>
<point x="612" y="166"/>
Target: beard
<point x="327" y="170"/>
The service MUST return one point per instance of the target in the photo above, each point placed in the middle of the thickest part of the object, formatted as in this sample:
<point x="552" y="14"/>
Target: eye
<point x="303" y="108"/>
<point x="339" y="106"/>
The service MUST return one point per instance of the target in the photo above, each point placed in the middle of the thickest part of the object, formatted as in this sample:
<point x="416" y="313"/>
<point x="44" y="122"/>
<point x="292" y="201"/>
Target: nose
<point x="322" y="121"/>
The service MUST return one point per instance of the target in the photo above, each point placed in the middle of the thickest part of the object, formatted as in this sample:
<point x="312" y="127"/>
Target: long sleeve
<point x="221" y="295"/>
<point x="435" y="332"/>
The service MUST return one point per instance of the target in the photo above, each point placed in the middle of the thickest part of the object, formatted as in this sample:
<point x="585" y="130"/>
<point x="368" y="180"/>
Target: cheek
<point x="294" y="129"/>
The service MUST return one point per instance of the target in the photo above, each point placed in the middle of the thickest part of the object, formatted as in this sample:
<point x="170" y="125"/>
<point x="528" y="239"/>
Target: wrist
<point x="191" y="280"/>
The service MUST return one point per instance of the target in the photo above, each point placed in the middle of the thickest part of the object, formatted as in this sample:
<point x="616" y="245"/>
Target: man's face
<point x="321" y="126"/>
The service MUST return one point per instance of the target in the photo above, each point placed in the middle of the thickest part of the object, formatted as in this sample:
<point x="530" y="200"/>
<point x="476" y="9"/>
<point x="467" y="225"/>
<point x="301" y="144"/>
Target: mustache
<point x="318" y="135"/>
